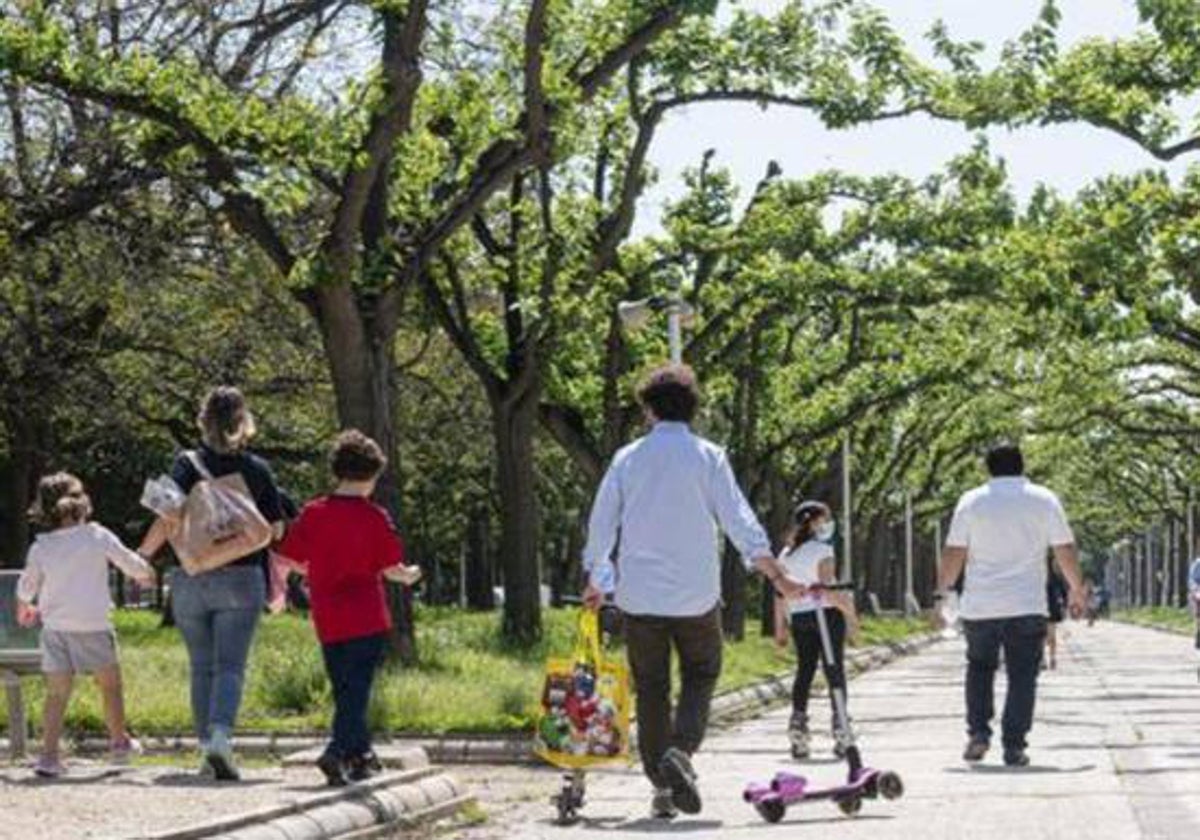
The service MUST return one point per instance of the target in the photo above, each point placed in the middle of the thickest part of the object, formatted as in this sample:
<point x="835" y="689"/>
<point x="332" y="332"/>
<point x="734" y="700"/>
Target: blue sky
<point x="746" y="138"/>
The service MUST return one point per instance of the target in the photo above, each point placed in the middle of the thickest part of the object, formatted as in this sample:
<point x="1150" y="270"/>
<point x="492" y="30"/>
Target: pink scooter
<point x="772" y="800"/>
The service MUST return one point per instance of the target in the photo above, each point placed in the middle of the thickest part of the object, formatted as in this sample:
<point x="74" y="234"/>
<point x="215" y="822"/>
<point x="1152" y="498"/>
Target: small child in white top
<point x="65" y="585"/>
<point x="808" y="559"/>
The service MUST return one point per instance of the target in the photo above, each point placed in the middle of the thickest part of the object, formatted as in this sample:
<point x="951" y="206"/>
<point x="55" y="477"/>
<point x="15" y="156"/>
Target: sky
<point x="745" y="137"/>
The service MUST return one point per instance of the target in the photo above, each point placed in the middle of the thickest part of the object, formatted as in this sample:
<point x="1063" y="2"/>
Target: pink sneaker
<point x="49" y="767"/>
<point x="125" y="750"/>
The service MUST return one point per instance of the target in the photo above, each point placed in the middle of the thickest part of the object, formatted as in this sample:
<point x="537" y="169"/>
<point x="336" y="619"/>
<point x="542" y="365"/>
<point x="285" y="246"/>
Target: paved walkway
<point x="1115" y="752"/>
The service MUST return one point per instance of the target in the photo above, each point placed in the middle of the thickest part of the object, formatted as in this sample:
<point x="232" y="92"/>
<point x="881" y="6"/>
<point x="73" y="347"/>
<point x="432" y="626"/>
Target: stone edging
<point x="1162" y="628"/>
<point x="374" y="808"/>
<point x="518" y="749"/>
<point x="778" y="688"/>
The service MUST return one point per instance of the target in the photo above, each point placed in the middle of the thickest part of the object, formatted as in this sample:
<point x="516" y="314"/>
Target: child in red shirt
<point x="346" y="545"/>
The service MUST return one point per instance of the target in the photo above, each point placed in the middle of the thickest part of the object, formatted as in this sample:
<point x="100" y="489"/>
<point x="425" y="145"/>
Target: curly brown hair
<point x="61" y="502"/>
<point x="671" y="393"/>
<point x="356" y="457"/>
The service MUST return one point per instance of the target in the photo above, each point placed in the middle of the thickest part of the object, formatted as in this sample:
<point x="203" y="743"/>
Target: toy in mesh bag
<point x="584" y="719"/>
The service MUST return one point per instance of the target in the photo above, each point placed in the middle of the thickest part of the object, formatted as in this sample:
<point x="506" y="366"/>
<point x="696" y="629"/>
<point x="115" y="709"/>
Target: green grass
<point x="1176" y="618"/>
<point x="467" y="678"/>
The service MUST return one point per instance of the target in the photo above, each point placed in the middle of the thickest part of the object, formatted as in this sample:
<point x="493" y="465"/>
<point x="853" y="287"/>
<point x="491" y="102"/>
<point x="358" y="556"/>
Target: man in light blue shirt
<point x="662" y="505"/>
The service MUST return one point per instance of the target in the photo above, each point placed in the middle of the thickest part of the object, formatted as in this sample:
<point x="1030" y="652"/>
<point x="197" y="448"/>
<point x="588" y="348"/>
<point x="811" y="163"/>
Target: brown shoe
<point x="975" y="751"/>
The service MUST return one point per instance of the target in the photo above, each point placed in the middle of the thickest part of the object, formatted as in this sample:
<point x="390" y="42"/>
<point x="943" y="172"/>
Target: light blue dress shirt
<point x="663" y="498"/>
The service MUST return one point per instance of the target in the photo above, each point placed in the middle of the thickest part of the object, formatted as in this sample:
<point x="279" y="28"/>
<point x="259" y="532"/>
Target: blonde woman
<point x="218" y="611"/>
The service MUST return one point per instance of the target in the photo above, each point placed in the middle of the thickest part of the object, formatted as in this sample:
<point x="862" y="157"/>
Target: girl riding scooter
<point x="808" y="559"/>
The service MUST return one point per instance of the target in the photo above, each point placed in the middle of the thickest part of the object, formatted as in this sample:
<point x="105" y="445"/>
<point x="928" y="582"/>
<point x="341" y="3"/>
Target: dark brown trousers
<point x="697" y="642"/>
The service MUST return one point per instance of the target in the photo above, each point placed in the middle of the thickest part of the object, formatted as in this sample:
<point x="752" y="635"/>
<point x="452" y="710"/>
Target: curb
<point x="517" y="748"/>
<point x="776" y="689"/>
<point x="384" y="804"/>
<point x="1162" y="628"/>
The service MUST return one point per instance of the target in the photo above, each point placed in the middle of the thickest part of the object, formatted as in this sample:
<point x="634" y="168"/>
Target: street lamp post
<point x="910" y="598"/>
<point x="636" y="314"/>
<point x="847" y="514"/>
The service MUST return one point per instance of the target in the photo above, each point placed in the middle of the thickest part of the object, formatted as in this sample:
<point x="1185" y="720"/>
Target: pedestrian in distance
<point x="665" y="495"/>
<point x="64" y="586"/>
<point x="808" y="558"/>
<point x="998" y="538"/>
<point x="1056" y="606"/>
<point x="1194" y="601"/>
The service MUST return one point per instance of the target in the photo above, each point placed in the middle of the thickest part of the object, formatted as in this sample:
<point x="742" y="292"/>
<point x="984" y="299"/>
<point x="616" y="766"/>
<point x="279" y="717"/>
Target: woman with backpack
<point x="217" y="610"/>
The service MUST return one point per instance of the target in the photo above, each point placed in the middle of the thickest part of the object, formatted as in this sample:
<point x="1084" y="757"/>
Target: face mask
<point x="825" y="531"/>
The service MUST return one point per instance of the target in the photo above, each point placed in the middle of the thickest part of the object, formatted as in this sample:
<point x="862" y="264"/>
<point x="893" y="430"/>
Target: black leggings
<point x="807" y="637"/>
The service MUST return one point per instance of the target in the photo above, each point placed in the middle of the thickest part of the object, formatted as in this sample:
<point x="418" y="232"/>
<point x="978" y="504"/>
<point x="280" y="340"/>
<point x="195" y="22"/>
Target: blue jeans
<point x="217" y="612"/>
<point x="351" y="667"/>
<point x="1021" y="638"/>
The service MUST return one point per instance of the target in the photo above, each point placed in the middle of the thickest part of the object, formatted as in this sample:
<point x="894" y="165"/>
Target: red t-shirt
<point x="346" y="542"/>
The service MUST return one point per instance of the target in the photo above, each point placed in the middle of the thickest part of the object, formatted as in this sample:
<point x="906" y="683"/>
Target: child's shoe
<point x="333" y="769"/>
<point x="123" y="751"/>
<point x="49" y="767"/>
<point x="363" y="767"/>
<point x="798" y="736"/>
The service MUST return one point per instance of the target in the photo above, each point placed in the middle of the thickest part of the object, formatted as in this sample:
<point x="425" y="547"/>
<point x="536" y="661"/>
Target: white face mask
<point x="825" y="531"/>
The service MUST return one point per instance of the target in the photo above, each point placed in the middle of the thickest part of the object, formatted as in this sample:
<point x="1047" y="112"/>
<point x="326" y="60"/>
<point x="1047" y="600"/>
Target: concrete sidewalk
<point x="1115" y="751"/>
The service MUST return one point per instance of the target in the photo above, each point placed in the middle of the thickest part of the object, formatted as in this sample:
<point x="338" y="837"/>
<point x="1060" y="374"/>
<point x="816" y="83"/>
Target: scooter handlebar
<point x="844" y="586"/>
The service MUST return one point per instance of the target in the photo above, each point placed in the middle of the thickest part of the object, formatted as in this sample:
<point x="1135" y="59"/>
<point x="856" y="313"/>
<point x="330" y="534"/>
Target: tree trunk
<point x="17" y="484"/>
<point x="479" y="567"/>
<point x="733" y="593"/>
<point x="514" y="423"/>
<point x="779" y="519"/>
<point x="360" y="359"/>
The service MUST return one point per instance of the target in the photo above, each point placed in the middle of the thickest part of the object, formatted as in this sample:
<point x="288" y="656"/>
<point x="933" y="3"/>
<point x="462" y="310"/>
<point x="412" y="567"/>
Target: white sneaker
<point x="662" y="806"/>
<point x="219" y="756"/>
<point x="124" y="751"/>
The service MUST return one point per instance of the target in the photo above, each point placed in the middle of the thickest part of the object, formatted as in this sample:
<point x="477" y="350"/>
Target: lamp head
<point x="635" y="314"/>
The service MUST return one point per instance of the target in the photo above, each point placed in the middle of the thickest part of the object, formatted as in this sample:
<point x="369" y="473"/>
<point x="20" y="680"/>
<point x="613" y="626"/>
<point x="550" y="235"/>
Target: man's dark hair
<point x="1005" y="460"/>
<point x="356" y="457"/>
<point x="671" y="393"/>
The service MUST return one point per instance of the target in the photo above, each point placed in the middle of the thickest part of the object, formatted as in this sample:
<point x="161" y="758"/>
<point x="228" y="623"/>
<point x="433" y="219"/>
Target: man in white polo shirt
<point x="664" y="498"/>
<point x="1000" y="535"/>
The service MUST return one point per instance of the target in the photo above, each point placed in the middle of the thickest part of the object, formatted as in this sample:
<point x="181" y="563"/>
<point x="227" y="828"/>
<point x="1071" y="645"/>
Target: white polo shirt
<point x="1007" y="526"/>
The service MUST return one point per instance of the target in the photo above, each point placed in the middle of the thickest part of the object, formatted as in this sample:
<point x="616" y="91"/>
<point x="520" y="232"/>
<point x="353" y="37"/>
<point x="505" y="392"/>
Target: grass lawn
<point x="1177" y="618"/>
<point x="467" y="678"/>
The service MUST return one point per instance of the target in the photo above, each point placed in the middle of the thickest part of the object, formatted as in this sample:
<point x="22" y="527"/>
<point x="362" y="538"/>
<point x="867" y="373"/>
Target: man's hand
<point x="789" y="588"/>
<point x="593" y="598"/>
<point x="1076" y="602"/>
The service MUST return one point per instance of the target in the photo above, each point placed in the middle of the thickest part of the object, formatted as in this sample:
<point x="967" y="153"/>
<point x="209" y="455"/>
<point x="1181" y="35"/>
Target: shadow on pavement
<point x="1019" y="771"/>
<point x="192" y="780"/>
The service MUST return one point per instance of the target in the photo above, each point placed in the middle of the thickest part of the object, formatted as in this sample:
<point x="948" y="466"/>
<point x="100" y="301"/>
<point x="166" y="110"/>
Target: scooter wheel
<point x="850" y="806"/>
<point x="771" y="810"/>
<point x="567" y="813"/>
<point x="890" y="785"/>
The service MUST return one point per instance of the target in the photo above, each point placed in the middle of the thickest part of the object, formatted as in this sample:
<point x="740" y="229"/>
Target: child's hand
<point x="406" y="575"/>
<point x="27" y="614"/>
<point x="781" y="638"/>
<point x="146" y="581"/>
